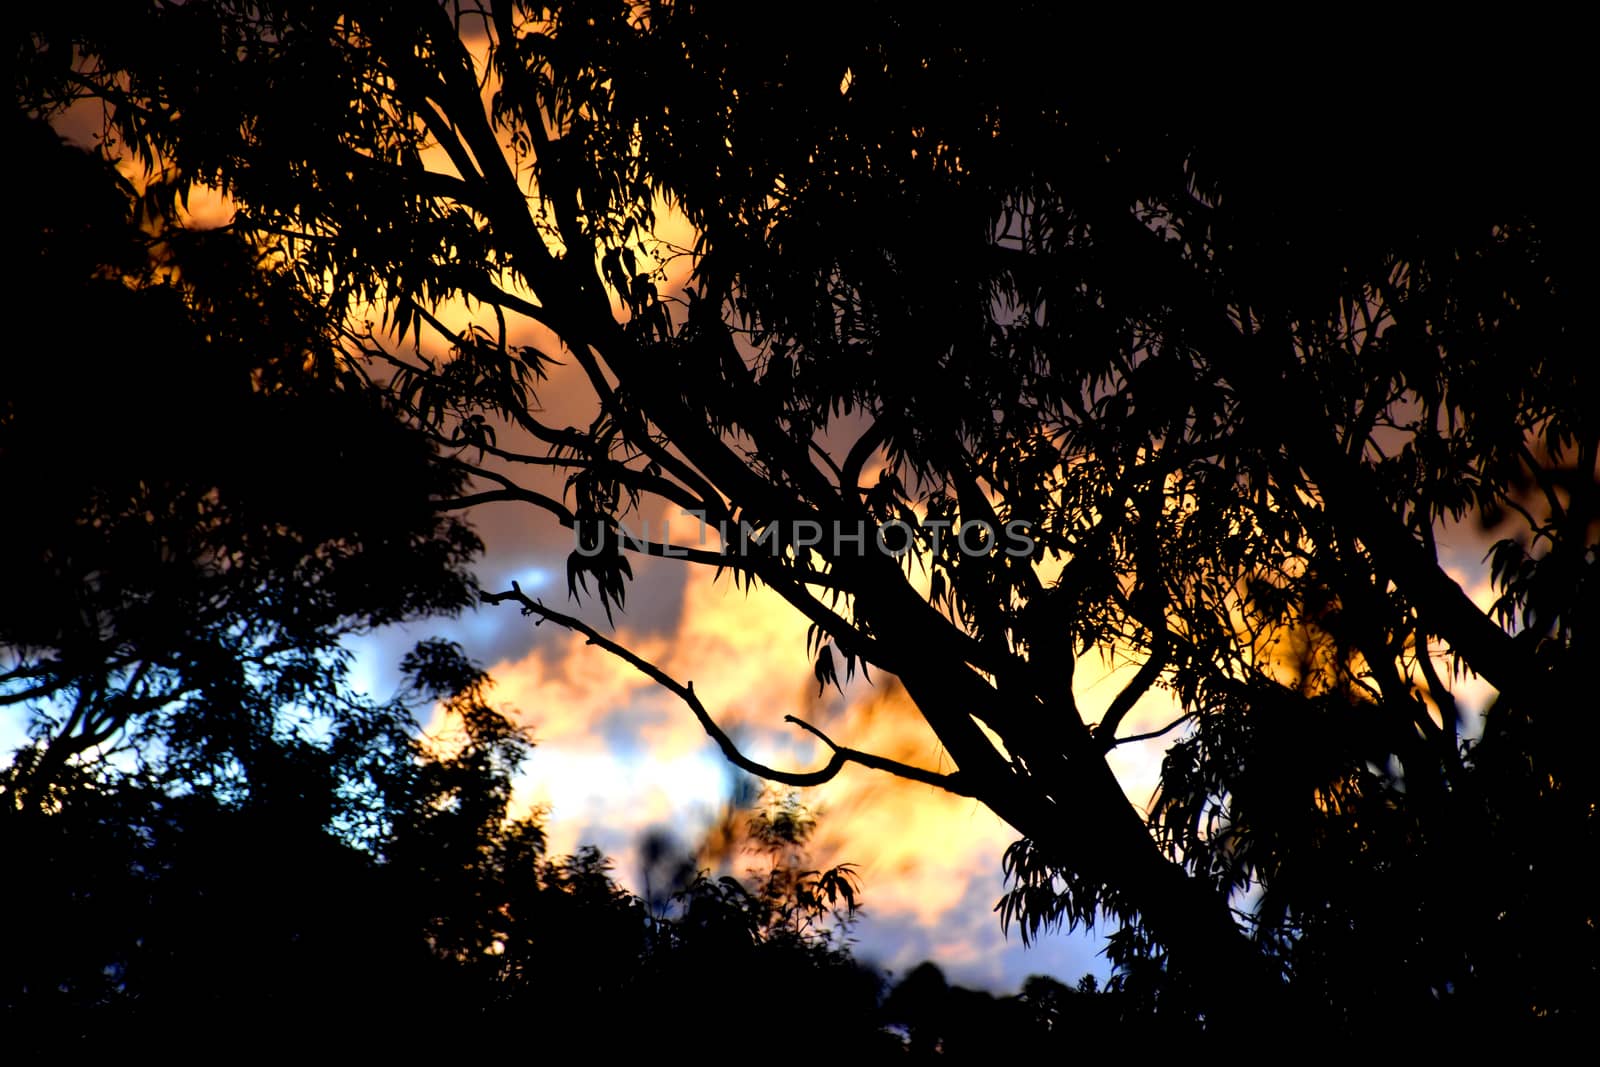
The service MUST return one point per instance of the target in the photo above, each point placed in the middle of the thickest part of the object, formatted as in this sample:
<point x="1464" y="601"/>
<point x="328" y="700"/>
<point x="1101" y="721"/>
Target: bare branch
<point x="951" y="783"/>
<point x="1131" y="738"/>
<point x="685" y="692"/>
<point x="509" y="490"/>
<point x="1449" y="711"/>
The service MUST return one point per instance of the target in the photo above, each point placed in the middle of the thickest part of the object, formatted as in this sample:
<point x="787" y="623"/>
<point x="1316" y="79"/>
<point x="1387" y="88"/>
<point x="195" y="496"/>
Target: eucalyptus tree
<point x="1233" y="371"/>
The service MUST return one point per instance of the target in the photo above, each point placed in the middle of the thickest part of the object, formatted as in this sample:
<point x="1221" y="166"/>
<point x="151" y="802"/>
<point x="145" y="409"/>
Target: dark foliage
<point x="369" y="894"/>
<point x="202" y="502"/>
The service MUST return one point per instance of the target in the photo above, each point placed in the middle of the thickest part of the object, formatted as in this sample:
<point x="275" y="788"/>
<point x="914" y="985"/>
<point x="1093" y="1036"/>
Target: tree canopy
<point x="176" y="556"/>
<point x="1237" y="372"/>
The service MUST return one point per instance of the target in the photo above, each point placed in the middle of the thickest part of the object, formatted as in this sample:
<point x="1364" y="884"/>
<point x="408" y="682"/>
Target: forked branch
<point x="951" y="783"/>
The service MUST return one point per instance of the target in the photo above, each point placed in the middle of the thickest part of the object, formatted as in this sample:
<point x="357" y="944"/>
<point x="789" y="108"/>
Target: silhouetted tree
<point x="758" y="954"/>
<point x="1238" y="375"/>
<point x="203" y="504"/>
<point x="953" y="1024"/>
<point x="369" y="891"/>
<point x="204" y="501"/>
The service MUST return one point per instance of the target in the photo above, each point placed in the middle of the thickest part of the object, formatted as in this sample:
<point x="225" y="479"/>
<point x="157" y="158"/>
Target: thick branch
<point x="850" y="471"/>
<point x="1149" y="671"/>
